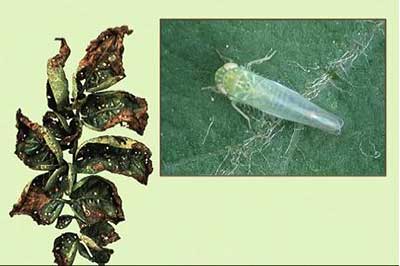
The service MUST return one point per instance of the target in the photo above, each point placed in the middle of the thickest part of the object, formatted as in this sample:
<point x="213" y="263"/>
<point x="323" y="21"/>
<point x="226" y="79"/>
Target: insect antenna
<point x="224" y="58"/>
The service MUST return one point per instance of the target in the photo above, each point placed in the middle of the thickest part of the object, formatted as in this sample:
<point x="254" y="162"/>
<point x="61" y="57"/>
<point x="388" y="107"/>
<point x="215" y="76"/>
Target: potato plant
<point x="94" y="200"/>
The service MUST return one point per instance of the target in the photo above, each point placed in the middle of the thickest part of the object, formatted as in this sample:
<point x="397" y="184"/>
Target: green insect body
<point x="243" y="86"/>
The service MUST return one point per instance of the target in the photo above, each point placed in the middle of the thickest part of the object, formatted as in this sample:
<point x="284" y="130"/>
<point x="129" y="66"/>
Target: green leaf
<point x="338" y="63"/>
<point x="57" y="83"/>
<point x="84" y="252"/>
<point x="63" y="221"/>
<point x="115" y="154"/>
<point x="102" y="65"/>
<point x="102" y="233"/>
<point x="43" y="206"/>
<point x="106" y="109"/>
<point x="62" y="178"/>
<point x="101" y="256"/>
<point x="67" y="134"/>
<point x="36" y="146"/>
<point x="96" y="199"/>
<point x="56" y="178"/>
<point x="65" y="247"/>
<point x="70" y="180"/>
<point x="96" y="236"/>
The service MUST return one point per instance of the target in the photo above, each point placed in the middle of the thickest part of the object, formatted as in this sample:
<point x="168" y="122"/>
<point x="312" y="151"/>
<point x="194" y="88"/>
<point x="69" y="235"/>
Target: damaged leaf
<point x="57" y="83"/>
<point x="106" y="109"/>
<point x="101" y="256"/>
<point x="98" y="255"/>
<point x="67" y="134"/>
<point x="102" y="65"/>
<point x="64" y="248"/>
<point x="102" y="233"/>
<point x="63" y="221"/>
<point x="78" y="95"/>
<point x="36" y="146"/>
<point x="43" y="206"/>
<point x="116" y="154"/>
<point x="96" y="199"/>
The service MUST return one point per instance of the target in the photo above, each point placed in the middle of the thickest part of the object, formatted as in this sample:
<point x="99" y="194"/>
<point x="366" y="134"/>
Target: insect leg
<point x="267" y="57"/>
<point x="212" y="88"/>
<point x="241" y="113"/>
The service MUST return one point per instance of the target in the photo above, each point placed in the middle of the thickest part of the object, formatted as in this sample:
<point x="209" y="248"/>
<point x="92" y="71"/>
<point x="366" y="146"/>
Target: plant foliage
<point x="93" y="199"/>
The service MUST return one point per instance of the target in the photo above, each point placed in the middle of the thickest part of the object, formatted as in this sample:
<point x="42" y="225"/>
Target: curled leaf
<point x="96" y="199"/>
<point x="70" y="179"/>
<point x="63" y="178"/>
<point x="43" y="206"/>
<point x="63" y="221"/>
<point x="106" y="109"/>
<point x="36" y="146"/>
<point x="101" y="256"/>
<point x="116" y="154"/>
<point x="57" y="83"/>
<point x="102" y="233"/>
<point x="77" y="93"/>
<point x="102" y="65"/>
<point x="67" y="134"/>
<point x="64" y="248"/>
<point x="56" y="177"/>
<point x="84" y="252"/>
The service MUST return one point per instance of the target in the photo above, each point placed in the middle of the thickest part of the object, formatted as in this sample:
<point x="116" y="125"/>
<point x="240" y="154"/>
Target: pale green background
<point x="191" y="220"/>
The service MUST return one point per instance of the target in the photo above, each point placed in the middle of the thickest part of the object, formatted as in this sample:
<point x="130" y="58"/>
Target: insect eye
<point x="229" y="66"/>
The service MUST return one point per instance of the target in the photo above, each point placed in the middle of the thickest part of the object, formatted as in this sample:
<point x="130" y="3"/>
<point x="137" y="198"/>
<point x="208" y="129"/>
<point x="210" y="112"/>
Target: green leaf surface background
<point x="338" y="64"/>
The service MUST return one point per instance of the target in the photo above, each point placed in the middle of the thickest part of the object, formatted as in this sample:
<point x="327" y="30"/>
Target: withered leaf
<point x="106" y="109"/>
<point x="57" y="83"/>
<point x="102" y="233"/>
<point x="63" y="221"/>
<point x="102" y="65"/>
<point x="96" y="199"/>
<point x="67" y="134"/>
<point x="116" y="154"/>
<point x="64" y="248"/>
<point x="43" y="206"/>
<point x="36" y="146"/>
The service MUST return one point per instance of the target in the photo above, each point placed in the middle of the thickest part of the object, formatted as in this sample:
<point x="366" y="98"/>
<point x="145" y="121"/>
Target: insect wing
<point x="275" y="99"/>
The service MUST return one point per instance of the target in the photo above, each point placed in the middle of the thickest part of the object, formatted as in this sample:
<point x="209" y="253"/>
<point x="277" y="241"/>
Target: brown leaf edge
<point x="34" y="199"/>
<point x="41" y="133"/>
<point x="135" y="119"/>
<point x="90" y="216"/>
<point x="120" y="143"/>
<point x="111" y="38"/>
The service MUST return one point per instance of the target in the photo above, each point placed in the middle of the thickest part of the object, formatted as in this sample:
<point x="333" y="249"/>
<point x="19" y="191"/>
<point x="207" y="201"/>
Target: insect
<point x="242" y="86"/>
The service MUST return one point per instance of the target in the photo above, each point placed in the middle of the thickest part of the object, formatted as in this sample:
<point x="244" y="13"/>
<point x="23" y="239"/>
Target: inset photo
<point x="281" y="97"/>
